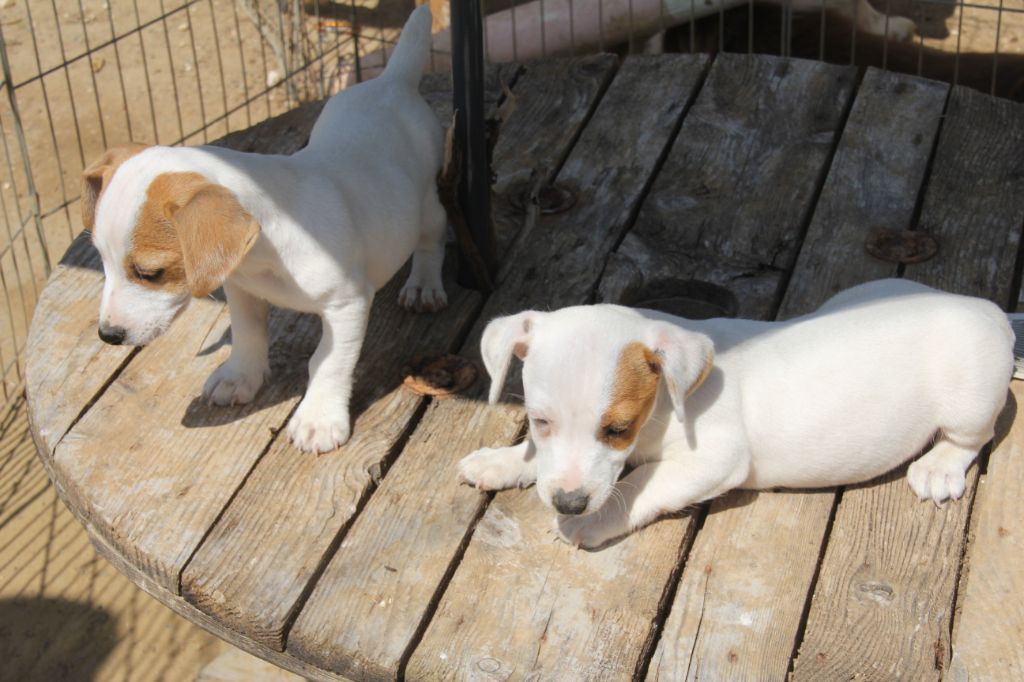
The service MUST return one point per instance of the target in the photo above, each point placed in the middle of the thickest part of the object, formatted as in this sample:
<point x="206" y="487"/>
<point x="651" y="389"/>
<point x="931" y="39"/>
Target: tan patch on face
<point x="633" y="394"/>
<point x="189" y="236"/>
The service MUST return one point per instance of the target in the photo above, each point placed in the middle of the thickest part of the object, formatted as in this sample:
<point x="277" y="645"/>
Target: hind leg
<point x="940" y="473"/>
<point x="423" y="291"/>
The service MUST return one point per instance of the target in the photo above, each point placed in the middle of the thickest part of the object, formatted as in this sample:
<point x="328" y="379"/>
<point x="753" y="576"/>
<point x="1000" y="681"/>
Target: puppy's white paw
<point x="422" y="299"/>
<point x="936" y="477"/>
<point x="591" y="530"/>
<point x="230" y="384"/>
<point x="315" y="428"/>
<point x="495" y="469"/>
<point x="900" y="28"/>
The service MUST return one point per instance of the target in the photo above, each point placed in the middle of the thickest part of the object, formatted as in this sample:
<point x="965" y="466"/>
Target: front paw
<point x="591" y="530"/>
<point x="317" y="428"/>
<point x="422" y="299"/>
<point x="495" y="469"/>
<point x="232" y="384"/>
<point x="901" y="28"/>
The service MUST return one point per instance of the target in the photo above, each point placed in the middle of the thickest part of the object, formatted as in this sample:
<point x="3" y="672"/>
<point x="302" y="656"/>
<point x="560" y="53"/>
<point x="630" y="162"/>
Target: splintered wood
<point x="751" y="181"/>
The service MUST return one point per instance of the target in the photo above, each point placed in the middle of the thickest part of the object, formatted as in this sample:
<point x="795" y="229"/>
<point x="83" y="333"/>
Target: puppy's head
<point x="591" y="377"/>
<point x="163" y="235"/>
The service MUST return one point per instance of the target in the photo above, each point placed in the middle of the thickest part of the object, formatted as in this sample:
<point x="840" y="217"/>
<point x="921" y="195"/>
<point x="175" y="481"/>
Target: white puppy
<point x="318" y="231"/>
<point x="838" y="396"/>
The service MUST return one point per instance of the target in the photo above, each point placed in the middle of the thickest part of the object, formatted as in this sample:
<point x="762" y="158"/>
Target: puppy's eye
<point x="540" y="424"/>
<point x="616" y="430"/>
<point x="148" y="275"/>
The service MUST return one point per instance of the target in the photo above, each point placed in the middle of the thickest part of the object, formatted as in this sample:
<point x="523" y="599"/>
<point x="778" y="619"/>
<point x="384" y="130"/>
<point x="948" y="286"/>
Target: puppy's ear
<point x="686" y="359"/>
<point x="97" y="176"/>
<point x="503" y="337"/>
<point x="214" y="231"/>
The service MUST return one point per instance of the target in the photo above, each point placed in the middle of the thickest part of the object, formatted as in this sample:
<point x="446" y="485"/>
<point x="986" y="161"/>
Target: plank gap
<point x="798" y="640"/>
<point x="442" y="587"/>
<point x="95" y="398"/>
<point x="656" y="169"/>
<point x="922" y="192"/>
<point x="238" y="488"/>
<point x="530" y="220"/>
<point x="332" y="548"/>
<point x="650" y="646"/>
<point x="960" y="572"/>
<point x="786" y="274"/>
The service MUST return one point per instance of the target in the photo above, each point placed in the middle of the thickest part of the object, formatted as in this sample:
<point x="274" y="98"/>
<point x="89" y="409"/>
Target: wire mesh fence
<point x="79" y="76"/>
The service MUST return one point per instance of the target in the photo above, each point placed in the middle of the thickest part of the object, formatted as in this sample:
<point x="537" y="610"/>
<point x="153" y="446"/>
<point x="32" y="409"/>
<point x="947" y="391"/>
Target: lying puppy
<point x="318" y="231"/>
<point x="838" y="396"/>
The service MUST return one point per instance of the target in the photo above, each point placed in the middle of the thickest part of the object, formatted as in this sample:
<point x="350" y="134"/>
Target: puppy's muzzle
<point x="570" y="503"/>
<point x="112" y="335"/>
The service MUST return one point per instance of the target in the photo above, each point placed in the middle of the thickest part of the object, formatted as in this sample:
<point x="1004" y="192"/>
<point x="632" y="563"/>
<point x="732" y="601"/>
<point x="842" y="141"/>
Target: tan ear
<point x="96" y="177"/>
<point x="214" y="231"/>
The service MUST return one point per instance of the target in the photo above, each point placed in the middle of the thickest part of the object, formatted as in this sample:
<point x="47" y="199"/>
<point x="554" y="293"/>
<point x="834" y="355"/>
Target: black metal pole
<point x="470" y="134"/>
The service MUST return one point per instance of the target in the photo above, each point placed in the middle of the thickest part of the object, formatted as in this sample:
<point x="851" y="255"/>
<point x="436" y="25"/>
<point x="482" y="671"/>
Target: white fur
<point x="338" y="219"/>
<point x="839" y="396"/>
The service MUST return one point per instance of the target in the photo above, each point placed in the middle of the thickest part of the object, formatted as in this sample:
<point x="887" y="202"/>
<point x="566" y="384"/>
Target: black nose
<point x="112" y="335"/>
<point x="570" y="503"/>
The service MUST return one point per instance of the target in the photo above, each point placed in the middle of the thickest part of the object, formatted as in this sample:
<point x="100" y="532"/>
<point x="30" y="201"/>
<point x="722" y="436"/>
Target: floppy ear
<point x="97" y="176"/>
<point x="214" y="231"/>
<point x="686" y="359"/>
<point x="503" y="337"/>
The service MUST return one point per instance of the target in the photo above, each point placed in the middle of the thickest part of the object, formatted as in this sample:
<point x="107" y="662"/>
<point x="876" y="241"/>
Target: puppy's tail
<point x="410" y="55"/>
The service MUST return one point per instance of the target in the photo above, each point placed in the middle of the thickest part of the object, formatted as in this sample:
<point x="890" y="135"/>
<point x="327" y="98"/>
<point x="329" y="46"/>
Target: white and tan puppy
<point x="838" y="396"/>
<point x="318" y="231"/>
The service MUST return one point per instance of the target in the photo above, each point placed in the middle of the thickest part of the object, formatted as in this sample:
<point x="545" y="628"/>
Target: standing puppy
<point x="318" y="231"/>
<point x="835" y="397"/>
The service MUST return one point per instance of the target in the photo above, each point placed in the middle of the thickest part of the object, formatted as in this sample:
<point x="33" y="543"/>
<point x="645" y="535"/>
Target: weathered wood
<point x="552" y="101"/>
<point x="739" y="601"/>
<point x="738" y="610"/>
<point x="873" y="182"/>
<point x="238" y="578"/>
<point x="186" y="610"/>
<point x="343" y="629"/>
<point x="884" y="599"/>
<point x="990" y="615"/>
<point x="731" y="203"/>
<point x="67" y="365"/>
<point x="373" y="597"/>
<point x="252" y="585"/>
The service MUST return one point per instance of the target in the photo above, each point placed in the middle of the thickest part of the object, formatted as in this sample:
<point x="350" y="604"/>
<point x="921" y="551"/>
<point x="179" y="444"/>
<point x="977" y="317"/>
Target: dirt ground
<point x="199" y="73"/>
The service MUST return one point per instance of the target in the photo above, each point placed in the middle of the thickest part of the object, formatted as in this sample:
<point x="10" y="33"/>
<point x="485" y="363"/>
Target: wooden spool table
<point x="748" y="185"/>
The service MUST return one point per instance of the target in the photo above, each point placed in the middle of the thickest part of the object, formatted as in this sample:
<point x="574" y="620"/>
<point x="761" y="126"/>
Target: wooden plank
<point x="410" y="535"/>
<point x="988" y="631"/>
<point x="737" y="613"/>
<point x="256" y="568"/>
<point x="874" y="182"/>
<point x="552" y="101"/>
<point x="725" y="209"/>
<point x="887" y="597"/>
<point x="66" y="363"/>
<point x="558" y="607"/>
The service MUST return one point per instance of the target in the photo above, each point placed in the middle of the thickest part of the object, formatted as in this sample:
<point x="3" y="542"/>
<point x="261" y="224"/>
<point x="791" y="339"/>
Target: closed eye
<point x="616" y="430"/>
<point x="148" y="275"/>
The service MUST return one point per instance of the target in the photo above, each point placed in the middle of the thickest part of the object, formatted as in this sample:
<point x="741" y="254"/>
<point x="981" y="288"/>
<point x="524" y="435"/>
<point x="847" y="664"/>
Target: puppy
<point x="839" y="396"/>
<point x="318" y="231"/>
